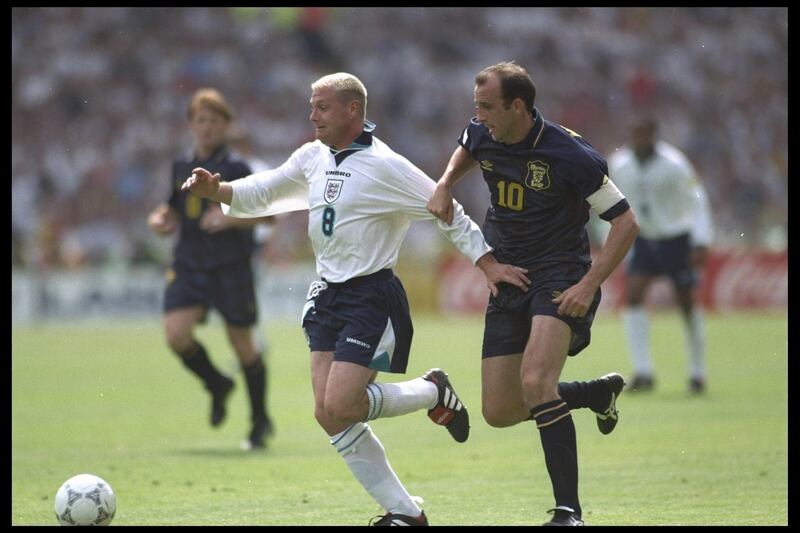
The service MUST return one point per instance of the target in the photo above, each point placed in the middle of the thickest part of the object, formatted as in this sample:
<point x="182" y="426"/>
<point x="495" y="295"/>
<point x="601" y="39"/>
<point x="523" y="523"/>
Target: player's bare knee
<point x="533" y="383"/>
<point x="635" y="291"/>
<point x="321" y="415"/>
<point x="246" y="354"/>
<point x="340" y="411"/>
<point x="536" y="389"/>
<point x="498" y="418"/>
<point x="180" y="342"/>
<point x="244" y="347"/>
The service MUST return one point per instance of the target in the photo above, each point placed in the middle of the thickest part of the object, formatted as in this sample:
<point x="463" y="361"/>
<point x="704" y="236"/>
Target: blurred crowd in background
<point x="99" y="100"/>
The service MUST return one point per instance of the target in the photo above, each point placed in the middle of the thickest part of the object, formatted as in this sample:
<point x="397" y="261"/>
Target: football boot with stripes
<point x="391" y="519"/>
<point x="608" y="418"/>
<point x="449" y="411"/>
<point x="564" y="516"/>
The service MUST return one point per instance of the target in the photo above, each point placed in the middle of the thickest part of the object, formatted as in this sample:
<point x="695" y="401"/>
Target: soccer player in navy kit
<point x="212" y="268"/>
<point x="362" y="197"/>
<point x="543" y="179"/>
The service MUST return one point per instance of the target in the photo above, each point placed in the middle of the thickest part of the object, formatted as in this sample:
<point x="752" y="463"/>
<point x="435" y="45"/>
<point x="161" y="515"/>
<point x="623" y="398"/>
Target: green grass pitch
<point x="111" y="400"/>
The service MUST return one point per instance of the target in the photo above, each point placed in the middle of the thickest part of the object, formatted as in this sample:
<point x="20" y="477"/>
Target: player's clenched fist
<point x="202" y="183"/>
<point x="441" y="205"/>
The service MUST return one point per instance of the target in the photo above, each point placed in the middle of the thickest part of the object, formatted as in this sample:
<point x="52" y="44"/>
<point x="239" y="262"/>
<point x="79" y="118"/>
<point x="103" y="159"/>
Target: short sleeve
<point x="584" y="173"/>
<point x="470" y="137"/>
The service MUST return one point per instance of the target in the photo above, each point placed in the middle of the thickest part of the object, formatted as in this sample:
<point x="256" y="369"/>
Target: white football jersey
<point x="361" y="202"/>
<point x="665" y="194"/>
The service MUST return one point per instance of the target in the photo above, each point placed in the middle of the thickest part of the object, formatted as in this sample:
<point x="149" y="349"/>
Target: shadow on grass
<point x="232" y="452"/>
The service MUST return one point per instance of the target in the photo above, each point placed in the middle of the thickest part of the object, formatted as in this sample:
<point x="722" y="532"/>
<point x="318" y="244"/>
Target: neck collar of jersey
<point x="215" y="157"/>
<point x="533" y="136"/>
<point x="361" y="142"/>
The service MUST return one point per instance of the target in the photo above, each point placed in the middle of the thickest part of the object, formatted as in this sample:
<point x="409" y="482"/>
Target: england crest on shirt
<point x="332" y="190"/>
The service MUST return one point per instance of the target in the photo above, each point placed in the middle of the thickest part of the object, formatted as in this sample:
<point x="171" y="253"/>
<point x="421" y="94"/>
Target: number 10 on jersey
<point x="510" y="195"/>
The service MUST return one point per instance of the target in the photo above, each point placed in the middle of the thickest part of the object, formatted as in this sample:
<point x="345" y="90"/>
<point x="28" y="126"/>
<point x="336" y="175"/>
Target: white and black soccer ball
<point x="85" y="500"/>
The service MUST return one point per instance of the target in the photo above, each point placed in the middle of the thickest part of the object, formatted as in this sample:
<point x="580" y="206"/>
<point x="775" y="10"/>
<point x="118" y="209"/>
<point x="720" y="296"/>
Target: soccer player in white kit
<point x="675" y="233"/>
<point x="361" y="197"/>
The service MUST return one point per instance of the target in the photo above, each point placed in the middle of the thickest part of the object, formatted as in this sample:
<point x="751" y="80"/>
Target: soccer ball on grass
<point x="85" y="500"/>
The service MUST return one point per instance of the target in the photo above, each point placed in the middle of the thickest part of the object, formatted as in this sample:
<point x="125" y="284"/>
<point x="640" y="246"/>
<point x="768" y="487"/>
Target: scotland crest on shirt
<point x="538" y="176"/>
<point x="333" y="189"/>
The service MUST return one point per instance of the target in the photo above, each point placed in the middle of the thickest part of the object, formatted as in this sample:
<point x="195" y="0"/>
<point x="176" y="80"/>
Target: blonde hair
<point x="347" y="87"/>
<point x="211" y="99"/>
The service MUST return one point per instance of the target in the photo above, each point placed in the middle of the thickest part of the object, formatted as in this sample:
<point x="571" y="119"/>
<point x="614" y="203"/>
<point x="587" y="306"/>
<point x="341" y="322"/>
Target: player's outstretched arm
<point x="207" y="185"/>
<point x="441" y="203"/>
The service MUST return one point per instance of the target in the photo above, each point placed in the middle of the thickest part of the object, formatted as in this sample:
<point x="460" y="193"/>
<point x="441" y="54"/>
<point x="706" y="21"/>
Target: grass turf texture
<point x="111" y="400"/>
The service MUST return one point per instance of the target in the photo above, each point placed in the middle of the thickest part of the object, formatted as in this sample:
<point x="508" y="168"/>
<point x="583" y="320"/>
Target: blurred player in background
<point x="240" y="141"/>
<point x="676" y="231"/>
<point x="543" y="179"/>
<point x="241" y="144"/>
<point x="212" y="268"/>
<point x="362" y="198"/>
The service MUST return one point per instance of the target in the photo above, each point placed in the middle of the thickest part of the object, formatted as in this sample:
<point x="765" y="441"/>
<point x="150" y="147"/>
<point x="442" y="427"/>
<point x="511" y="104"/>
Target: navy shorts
<point x="364" y="320"/>
<point x="229" y="289"/>
<point x="508" y="316"/>
<point x="670" y="257"/>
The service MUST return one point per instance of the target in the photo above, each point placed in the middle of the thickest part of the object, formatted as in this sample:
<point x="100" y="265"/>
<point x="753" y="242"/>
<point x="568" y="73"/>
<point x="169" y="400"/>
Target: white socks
<point x="696" y="344"/>
<point x="363" y="452"/>
<point x="366" y="458"/>
<point x="637" y="327"/>
<point x="394" y="399"/>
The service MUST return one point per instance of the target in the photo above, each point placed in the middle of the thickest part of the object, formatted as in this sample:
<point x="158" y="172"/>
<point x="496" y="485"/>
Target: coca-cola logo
<point x="751" y="280"/>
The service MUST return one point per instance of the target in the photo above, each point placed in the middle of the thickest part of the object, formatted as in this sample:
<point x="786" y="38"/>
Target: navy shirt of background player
<point x="538" y="187"/>
<point x="196" y="247"/>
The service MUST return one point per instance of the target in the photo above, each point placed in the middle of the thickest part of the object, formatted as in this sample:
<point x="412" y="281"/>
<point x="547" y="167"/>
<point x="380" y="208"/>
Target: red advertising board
<point x="731" y="280"/>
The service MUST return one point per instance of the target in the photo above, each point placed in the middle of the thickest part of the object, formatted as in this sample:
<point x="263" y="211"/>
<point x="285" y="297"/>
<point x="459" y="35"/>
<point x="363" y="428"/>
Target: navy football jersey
<point x="538" y="189"/>
<point x="195" y="247"/>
